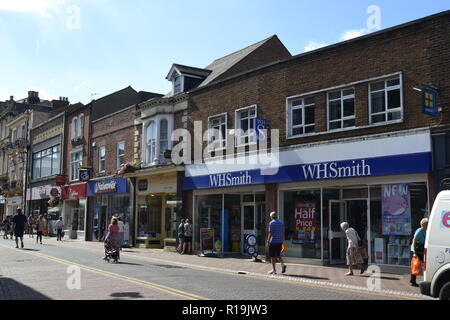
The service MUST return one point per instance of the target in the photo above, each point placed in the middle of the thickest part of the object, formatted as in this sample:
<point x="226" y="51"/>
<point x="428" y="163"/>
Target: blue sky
<point x="75" y="48"/>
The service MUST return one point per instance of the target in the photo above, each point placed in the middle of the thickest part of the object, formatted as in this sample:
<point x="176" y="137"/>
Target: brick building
<point x="354" y="145"/>
<point x="112" y="147"/>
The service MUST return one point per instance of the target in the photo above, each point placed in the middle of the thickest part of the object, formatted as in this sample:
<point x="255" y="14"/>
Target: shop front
<point x="378" y="184"/>
<point x="158" y="209"/>
<point x="110" y="198"/>
<point x="12" y="204"/>
<point x="45" y="200"/>
<point x="74" y="209"/>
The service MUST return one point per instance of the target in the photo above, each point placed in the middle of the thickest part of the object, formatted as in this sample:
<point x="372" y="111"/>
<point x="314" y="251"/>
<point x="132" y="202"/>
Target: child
<point x="5" y="228"/>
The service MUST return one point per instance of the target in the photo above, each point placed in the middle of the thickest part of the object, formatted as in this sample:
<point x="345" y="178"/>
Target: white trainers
<point x="272" y="272"/>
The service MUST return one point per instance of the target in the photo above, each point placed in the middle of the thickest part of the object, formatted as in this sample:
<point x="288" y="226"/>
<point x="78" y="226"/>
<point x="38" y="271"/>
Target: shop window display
<point x="396" y="211"/>
<point x="208" y="215"/>
<point x="302" y="220"/>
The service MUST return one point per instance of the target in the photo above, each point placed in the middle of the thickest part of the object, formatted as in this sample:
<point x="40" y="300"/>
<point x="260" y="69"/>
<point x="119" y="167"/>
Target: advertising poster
<point x="207" y="239"/>
<point x="396" y="209"/>
<point x="305" y="222"/>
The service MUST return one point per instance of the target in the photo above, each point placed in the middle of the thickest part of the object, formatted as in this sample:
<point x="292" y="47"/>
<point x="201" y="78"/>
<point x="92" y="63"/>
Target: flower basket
<point x="53" y="202"/>
<point x="128" y="168"/>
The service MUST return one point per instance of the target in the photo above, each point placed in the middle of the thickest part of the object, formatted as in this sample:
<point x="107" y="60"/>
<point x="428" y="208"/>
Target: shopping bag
<point x="415" y="266"/>
<point x="283" y="248"/>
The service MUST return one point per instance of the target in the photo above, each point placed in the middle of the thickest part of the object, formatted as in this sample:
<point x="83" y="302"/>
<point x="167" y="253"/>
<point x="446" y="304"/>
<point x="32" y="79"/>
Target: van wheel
<point x="445" y="292"/>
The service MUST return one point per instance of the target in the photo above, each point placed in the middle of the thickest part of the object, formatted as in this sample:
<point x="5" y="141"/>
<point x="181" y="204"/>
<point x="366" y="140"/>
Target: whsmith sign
<point x="380" y="166"/>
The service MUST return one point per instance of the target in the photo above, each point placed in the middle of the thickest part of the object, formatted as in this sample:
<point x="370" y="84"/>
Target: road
<point x="64" y="271"/>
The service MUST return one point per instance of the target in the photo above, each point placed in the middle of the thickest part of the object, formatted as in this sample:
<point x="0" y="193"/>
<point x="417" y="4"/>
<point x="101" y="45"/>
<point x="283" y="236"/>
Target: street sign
<point x="429" y="102"/>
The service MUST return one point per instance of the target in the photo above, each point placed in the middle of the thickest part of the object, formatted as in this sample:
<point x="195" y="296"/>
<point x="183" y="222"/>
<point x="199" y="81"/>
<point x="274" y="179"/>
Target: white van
<point x="437" y="250"/>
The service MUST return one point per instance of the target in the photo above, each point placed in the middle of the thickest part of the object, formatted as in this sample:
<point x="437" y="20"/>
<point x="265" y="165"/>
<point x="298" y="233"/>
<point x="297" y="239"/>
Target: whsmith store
<point x="355" y="145"/>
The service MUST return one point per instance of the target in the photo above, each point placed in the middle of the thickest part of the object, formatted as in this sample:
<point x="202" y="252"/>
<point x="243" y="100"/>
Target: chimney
<point x="33" y="97"/>
<point x="61" y="104"/>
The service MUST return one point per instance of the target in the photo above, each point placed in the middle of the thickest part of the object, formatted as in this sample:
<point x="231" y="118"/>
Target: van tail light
<point x="425" y="260"/>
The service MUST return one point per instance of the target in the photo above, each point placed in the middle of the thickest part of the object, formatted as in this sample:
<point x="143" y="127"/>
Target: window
<point x="178" y="84"/>
<point x="120" y="154"/>
<point x="151" y="143"/>
<point x="163" y="136"/>
<point x="244" y="122"/>
<point x="217" y="137"/>
<point x="76" y="159"/>
<point x="300" y="117"/>
<point x="46" y="163"/>
<point x="101" y="159"/>
<point x="77" y="127"/>
<point x="74" y="127"/>
<point x="385" y="101"/>
<point x="341" y="109"/>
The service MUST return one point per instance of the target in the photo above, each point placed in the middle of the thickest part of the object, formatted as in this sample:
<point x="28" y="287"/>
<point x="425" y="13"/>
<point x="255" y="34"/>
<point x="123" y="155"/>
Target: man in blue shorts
<point x="275" y="241"/>
<point x="19" y="222"/>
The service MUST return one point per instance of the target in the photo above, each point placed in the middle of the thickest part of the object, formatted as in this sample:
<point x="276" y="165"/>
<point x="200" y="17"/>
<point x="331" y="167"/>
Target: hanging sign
<point x="429" y="102"/>
<point x="261" y="126"/>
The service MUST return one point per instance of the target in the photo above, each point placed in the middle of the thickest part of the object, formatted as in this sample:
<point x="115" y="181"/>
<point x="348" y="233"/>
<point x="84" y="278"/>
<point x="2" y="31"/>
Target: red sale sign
<point x="305" y="222"/>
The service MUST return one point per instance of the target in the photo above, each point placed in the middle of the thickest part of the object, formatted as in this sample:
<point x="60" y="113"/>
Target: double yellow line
<point x="155" y="286"/>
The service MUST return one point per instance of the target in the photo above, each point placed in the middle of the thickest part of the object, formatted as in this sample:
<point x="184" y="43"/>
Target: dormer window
<point x="178" y="85"/>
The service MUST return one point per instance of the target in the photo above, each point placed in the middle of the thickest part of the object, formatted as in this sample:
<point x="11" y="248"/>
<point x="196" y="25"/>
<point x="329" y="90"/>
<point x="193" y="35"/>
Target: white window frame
<point x="289" y="112"/>
<point x="181" y="84"/>
<point x="74" y="127"/>
<point x="151" y="157"/>
<point x="119" y="165"/>
<point x="100" y="170"/>
<point x="237" y="125"/>
<point x="341" y="99"/>
<point x="79" y="162"/>
<point x="386" y="89"/>
<point x="223" y="142"/>
<point x="80" y="126"/>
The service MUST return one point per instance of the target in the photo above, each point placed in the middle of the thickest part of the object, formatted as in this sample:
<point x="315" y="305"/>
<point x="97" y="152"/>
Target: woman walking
<point x="31" y="224"/>
<point x="187" y="238"/>
<point x="354" y="257"/>
<point x="113" y="236"/>
<point x="41" y="225"/>
<point x="418" y="246"/>
<point x="180" y="236"/>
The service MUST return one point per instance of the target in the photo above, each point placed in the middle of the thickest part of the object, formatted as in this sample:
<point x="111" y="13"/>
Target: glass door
<point x="248" y="223"/>
<point x="337" y="238"/>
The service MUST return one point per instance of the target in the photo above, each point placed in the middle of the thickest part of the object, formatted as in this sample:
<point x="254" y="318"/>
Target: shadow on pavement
<point x="382" y="277"/>
<point x="305" y="277"/>
<point x="129" y="263"/>
<point x="134" y="295"/>
<point x="28" y="249"/>
<point x="10" y="289"/>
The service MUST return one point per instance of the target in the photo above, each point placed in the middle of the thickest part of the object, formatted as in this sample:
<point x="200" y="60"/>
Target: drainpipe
<point x="27" y="164"/>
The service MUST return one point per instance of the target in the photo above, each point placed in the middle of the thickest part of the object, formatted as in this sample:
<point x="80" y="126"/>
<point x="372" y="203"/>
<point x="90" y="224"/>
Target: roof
<point x="188" y="70"/>
<point x="117" y="101"/>
<point x="220" y="66"/>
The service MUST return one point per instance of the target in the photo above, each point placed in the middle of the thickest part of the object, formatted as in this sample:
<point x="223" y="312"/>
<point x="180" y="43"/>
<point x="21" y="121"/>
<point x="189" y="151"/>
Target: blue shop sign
<point x="381" y="166"/>
<point x="110" y="186"/>
<point x="261" y="125"/>
<point x="429" y="105"/>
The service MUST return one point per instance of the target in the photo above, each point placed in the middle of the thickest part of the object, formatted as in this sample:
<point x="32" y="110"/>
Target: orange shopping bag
<point x="283" y="248"/>
<point x="415" y="266"/>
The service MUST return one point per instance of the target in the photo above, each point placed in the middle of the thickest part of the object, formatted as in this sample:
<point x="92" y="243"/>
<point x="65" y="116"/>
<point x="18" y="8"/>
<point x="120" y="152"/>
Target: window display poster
<point x="305" y="222"/>
<point x="396" y="209"/>
<point x="207" y="239"/>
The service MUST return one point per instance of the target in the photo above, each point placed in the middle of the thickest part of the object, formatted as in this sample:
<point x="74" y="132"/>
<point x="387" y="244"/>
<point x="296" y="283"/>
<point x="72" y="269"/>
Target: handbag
<point x="415" y="266"/>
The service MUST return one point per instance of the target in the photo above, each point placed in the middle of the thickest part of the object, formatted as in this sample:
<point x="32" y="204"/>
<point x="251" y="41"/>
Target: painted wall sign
<point x="379" y="166"/>
<point x="107" y="187"/>
<point x="396" y="209"/>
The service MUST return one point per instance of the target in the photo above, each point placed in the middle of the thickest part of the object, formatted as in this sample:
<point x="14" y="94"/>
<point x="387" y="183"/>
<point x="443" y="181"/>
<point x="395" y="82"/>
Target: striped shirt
<point x="277" y="228"/>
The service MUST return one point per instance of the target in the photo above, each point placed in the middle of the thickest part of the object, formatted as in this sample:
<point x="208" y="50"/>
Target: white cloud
<point x="350" y="34"/>
<point x="42" y="7"/>
<point x="313" y="45"/>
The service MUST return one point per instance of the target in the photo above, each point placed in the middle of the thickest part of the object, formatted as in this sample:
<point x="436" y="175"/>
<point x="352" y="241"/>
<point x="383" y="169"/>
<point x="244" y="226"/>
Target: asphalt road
<point x="50" y="271"/>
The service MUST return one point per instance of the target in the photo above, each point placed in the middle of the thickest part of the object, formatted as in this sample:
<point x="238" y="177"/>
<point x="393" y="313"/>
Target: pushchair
<point x="111" y="252"/>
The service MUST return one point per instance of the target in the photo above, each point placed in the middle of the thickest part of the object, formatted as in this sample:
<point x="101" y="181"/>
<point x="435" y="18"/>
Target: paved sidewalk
<point x="397" y="284"/>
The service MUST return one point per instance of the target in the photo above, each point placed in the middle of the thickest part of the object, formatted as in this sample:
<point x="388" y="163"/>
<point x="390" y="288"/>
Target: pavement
<point x="396" y="285"/>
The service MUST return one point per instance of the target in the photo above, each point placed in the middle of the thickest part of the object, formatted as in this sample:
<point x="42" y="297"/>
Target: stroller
<point x="111" y="252"/>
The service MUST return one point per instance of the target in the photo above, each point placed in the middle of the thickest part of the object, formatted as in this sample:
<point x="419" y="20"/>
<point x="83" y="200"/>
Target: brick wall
<point x="108" y="132"/>
<point x="420" y="51"/>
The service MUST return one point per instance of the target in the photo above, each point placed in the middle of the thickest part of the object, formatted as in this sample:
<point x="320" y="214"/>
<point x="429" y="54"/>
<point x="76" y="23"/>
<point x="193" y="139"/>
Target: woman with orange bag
<point x="417" y="250"/>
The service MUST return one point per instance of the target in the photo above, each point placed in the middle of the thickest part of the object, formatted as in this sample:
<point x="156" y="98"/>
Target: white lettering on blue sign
<point x="105" y="187"/>
<point x="228" y="180"/>
<point x="332" y="170"/>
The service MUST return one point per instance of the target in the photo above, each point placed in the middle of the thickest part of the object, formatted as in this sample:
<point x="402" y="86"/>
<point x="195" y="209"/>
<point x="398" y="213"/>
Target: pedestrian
<point x="180" y="236"/>
<point x="31" y="223"/>
<point x="41" y="225"/>
<point x="19" y="223"/>
<point x="5" y="228"/>
<point x="275" y="239"/>
<point x="187" y="237"/>
<point x="354" y="257"/>
<point x="418" y="246"/>
<point x="59" y="225"/>
<point x="113" y="235"/>
<point x="11" y="230"/>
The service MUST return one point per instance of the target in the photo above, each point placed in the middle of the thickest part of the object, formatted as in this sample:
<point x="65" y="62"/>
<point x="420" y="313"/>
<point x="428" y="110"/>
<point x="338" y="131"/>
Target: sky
<point x="86" y="49"/>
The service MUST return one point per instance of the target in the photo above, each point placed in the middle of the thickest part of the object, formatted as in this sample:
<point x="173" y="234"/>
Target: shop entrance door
<point x="248" y="223"/>
<point x="337" y="238"/>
